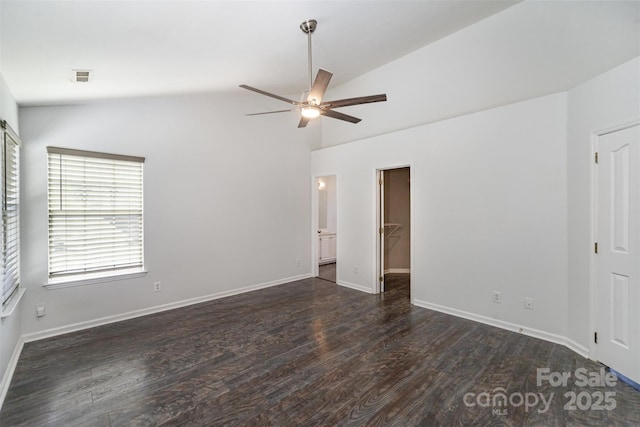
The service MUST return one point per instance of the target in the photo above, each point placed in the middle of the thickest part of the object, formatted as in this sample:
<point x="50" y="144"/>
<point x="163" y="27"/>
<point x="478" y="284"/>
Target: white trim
<point x="622" y="126"/>
<point x="355" y="287"/>
<point x="525" y="330"/>
<point x="593" y="235"/>
<point x="73" y="281"/>
<point x="8" y="309"/>
<point x="397" y="270"/>
<point x="412" y="234"/>
<point x="11" y="367"/>
<point x="35" y="336"/>
<point x="337" y="185"/>
<point x="315" y="256"/>
<point x="379" y="239"/>
<point x="578" y="348"/>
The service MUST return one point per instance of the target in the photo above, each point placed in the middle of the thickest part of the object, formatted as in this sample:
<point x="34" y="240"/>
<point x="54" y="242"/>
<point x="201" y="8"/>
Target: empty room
<point x="320" y="213"/>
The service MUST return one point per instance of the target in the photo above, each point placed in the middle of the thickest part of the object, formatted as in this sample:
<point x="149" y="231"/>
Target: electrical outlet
<point x="40" y="310"/>
<point x="497" y="298"/>
<point x="355" y="269"/>
<point x="528" y="303"/>
<point x="156" y="287"/>
<point x="298" y="263"/>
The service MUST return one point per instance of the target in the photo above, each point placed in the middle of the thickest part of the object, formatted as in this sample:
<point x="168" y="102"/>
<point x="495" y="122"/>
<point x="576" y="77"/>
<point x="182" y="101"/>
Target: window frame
<point x="7" y="296"/>
<point x="75" y="278"/>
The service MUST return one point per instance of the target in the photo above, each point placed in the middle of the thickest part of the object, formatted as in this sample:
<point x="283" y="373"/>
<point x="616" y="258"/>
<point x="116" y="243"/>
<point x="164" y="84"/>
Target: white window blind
<point x="10" y="214"/>
<point x="95" y="212"/>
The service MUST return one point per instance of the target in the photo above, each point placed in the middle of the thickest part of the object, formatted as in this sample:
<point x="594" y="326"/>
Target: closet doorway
<point x="327" y="227"/>
<point x="394" y="230"/>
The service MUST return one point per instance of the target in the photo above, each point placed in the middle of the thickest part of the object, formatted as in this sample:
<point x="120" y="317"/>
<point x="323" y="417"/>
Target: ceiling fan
<point x="313" y="106"/>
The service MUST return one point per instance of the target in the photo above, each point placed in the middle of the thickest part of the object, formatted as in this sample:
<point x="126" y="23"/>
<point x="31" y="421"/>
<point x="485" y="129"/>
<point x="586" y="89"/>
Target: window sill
<point x="92" y="279"/>
<point x="13" y="303"/>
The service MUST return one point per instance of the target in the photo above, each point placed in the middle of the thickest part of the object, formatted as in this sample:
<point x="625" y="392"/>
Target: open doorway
<point x="394" y="230"/>
<point x="327" y="228"/>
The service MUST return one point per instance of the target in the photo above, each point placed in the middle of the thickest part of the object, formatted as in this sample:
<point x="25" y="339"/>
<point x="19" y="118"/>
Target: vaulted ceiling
<point x="153" y="47"/>
<point x="160" y="47"/>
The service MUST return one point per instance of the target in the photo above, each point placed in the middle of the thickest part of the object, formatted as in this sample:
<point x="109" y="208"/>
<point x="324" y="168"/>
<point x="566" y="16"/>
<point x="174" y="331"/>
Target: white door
<point x="618" y="251"/>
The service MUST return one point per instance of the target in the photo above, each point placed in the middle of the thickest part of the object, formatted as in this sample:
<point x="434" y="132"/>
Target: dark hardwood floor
<point x="327" y="272"/>
<point x="305" y="353"/>
<point x="398" y="282"/>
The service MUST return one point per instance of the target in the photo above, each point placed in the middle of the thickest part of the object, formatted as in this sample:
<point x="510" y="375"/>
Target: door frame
<point x="379" y="225"/>
<point x="376" y="288"/>
<point x="593" y="231"/>
<point x="315" y="238"/>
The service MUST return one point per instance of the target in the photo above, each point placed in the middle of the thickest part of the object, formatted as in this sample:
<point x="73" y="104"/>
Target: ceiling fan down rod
<point x="309" y="27"/>
<point x="310" y="63"/>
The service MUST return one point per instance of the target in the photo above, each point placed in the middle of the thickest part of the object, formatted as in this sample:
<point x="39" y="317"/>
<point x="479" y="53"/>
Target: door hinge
<point x="381" y="230"/>
<point x="595" y="337"/>
<point x="595" y="157"/>
<point x="381" y="181"/>
<point x="381" y="278"/>
<point x="595" y="247"/>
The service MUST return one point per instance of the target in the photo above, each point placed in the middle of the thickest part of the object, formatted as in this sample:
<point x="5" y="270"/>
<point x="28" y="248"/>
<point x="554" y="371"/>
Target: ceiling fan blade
<point x="303" y="122"/>
<point x="319" y="87"/>
<point x="271" y="112"/>
<point x="272" y="95"/>
<point x="355" y="101"/>
<point x="340" y="116"/>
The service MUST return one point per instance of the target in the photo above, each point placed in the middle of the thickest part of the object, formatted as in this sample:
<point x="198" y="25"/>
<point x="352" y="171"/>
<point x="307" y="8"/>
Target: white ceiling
<point x="153" y="47"/>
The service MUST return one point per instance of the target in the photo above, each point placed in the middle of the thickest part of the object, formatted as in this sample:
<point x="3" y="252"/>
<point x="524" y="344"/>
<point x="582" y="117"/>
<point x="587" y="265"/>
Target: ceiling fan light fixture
<point x="314" y="107"/>
<point x="310" y="112"/>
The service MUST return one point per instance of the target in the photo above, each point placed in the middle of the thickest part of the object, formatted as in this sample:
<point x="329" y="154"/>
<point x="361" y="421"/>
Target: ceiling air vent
<point x="81" y="76"/>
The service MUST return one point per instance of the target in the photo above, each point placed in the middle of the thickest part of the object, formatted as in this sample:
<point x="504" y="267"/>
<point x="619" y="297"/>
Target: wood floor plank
<point x="307" y="353"/>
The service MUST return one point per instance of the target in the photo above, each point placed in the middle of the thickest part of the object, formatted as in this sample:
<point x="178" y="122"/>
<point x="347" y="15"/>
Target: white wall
<point x="8" y="106"/>
<point x="227" y="202"/>
<point x="489" y="211"/>
<point x="608" y="100"/>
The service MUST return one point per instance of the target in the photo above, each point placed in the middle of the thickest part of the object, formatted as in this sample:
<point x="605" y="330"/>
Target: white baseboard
<point x="48" y="333"/>
<point x="578" y="348"/>
<point x="11" y="367"/>
<point x="397" y="270"/>
<point x="525" y="330"/>
<point x="354" y="286"/>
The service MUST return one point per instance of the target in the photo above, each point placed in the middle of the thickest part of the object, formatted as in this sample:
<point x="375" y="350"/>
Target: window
<point x="95" y="214"/>
<point x="10" y="212"/>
